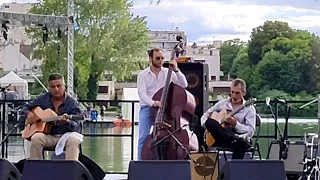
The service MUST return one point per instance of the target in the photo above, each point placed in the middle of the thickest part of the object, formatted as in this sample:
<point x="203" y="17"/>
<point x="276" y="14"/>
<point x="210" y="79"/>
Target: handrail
<point x="132" y="134"/>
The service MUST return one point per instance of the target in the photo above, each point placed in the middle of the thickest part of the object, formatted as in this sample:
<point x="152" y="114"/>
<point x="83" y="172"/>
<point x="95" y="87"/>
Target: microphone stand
<point x="311" y="102"/>
<point x="3" y="124"/>
<point x="5" y="139"/>
<point x="283" y="136"/>
<point x="283" y="152"/>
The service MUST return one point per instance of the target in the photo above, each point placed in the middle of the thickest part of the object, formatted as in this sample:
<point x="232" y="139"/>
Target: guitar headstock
<point x="250" y="102"/>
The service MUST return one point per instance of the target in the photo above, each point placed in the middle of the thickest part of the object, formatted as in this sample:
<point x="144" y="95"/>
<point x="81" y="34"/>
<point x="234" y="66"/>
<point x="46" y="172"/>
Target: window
<point x="103" y="89"/>
<point x="24" y="66"/>
<point x="211" y="53"/>
<point x="6" y="6"/>
<point x="108" y="77"/>
<point x="213" y="78"/>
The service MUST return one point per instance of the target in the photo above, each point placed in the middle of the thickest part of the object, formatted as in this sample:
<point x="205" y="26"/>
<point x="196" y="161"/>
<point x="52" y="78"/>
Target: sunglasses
<point x="158" y="58"/>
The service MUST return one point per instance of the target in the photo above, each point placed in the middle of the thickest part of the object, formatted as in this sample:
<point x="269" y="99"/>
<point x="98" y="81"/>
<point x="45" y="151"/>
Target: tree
<point x="228" y="53"/>
<point x="276" y="70"/>
<point x="116" y="39"/>
<point x="261" y="36"/>
<point x="109" y="38"/>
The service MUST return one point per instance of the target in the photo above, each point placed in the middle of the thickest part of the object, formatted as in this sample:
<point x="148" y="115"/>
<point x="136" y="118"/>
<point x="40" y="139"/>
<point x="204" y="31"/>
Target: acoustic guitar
<point x="221" y="117"/>
<point x="39" y="120"/>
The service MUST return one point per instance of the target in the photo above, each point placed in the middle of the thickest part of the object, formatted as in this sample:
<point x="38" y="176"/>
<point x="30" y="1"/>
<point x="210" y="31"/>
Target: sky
<point x="208" y="20"/>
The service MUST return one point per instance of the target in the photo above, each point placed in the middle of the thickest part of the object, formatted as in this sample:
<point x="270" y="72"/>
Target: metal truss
<point x="61" y="22"/>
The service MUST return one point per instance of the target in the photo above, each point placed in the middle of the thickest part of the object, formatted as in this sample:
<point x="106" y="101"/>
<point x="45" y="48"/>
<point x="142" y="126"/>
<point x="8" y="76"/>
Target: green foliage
<point x="278" y="61"/>
<point x="109" y="38"/>
<point x="262" y="35"/>
<point x="229" y="51"/>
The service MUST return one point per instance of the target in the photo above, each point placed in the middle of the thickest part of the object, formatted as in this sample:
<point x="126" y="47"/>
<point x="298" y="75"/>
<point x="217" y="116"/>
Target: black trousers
<point x="226" y="138"/>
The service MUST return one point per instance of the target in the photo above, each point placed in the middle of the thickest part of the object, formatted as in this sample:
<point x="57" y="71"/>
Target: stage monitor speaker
<point x="55" y="169"/>
<point x="8" y="171"/>
<point x="92" y="167"/>
<point x="253" y="170"/>
<point x="294" y="156"/>
<point x="159" y="170"/>
<point x="207" y="167"/>
<point x="197" y="75"/>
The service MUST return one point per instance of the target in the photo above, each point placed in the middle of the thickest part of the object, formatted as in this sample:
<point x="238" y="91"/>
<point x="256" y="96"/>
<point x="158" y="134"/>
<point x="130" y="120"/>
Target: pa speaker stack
<point x="197" y="75"/>
<point x="253" y="170"/>
<point x="8" y="171"/>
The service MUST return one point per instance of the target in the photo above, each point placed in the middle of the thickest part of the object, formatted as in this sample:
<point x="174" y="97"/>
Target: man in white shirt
<point x="149" y="81"/>
<point x="243" y="122"/>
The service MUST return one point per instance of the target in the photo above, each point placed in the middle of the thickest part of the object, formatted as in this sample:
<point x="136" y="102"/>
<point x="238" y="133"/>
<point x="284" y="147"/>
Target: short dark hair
<point x="150" y="52"/>
<point x="55" y="76"/>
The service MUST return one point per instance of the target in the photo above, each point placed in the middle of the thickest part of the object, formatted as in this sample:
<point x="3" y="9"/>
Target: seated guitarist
<point x="59" y="101"/>
<point x="243" y="122"/>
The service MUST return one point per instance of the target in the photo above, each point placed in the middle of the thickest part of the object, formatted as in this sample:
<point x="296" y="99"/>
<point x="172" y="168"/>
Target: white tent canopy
<point x="18" y="84"/>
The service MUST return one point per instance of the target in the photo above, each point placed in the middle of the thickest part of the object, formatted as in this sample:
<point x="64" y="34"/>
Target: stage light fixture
<point x="4" y="29"/>
<point x="44" y="34"/>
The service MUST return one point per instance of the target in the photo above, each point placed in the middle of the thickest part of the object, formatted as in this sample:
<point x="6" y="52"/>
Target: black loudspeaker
<point x="159" y="170"/>
<point x="92" y="167"/>
<point x="296" y="151"/>
<point x="197" y="74"/>
<point x="55" y="169"/>
<point x="95" y="170"/>
<point x="253" y="170"/>
<point x="8" y="171"/>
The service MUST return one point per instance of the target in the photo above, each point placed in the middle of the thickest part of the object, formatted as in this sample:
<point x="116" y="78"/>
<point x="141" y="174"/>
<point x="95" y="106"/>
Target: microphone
<point x="280" y="100"/>
<point x="268" y="101"/>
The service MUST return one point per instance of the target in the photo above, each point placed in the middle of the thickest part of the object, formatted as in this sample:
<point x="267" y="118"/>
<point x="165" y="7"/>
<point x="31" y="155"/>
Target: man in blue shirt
<point x="60" y="102"/>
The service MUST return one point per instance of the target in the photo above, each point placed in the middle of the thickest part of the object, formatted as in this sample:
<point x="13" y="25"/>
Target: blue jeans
<point x="145" y="123"/>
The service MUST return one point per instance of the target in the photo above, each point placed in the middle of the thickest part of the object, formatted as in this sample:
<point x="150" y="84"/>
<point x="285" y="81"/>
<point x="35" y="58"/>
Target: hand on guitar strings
<point x="231" y="120"/>
<point x="63" y="120"/>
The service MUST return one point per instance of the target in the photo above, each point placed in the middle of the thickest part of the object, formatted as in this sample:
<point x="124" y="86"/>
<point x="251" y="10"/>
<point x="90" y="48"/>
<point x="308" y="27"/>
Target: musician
<point x="59" y="101"/>
<point x="243" y="122"/>
<point x="149" y="81"/>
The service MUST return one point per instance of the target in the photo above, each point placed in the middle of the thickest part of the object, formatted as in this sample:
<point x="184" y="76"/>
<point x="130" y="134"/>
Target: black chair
<point x="53" y="148"/>
<point x="252" y="149"/>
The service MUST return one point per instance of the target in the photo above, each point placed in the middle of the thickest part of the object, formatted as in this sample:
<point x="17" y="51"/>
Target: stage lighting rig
<point x="4" y="29"/>
<point x="52" y="22"/>
<point x="59" y="33"/>
<point x="45" y="35"/>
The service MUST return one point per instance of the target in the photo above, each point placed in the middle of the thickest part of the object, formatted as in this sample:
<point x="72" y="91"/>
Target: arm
<point x="180" y="79"/>
<point x="250" y="123"/>
<point x="215" y="108"/>
<point x="142" y="90"/>
<point x="25" y="110"/>
<point x="74" y="109"/>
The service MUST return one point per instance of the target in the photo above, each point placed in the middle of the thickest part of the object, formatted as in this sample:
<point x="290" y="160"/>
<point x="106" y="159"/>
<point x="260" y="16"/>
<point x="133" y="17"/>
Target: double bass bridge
<point x="162" y="125"/>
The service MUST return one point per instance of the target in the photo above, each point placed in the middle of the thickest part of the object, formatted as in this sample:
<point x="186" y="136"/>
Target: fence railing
<point x="20" y="103"/>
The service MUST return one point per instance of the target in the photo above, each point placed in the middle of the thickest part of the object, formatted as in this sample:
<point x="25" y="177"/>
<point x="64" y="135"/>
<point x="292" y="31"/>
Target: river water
<point x="113" y="154"/>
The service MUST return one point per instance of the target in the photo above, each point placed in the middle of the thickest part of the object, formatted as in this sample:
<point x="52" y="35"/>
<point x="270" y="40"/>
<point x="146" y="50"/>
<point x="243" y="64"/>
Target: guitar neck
<point x="71" y="117"/>
<point x="232" y="113"/>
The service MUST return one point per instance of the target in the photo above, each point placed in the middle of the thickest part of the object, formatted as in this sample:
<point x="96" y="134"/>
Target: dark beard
<point x="155" y="65"/>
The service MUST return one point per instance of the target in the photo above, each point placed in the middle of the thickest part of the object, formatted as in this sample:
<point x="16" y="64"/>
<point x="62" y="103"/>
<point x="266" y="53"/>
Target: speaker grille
<point x="205" y="167"/>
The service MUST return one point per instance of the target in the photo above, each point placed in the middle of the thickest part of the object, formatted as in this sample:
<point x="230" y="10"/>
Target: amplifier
<point x="295" y="156"/>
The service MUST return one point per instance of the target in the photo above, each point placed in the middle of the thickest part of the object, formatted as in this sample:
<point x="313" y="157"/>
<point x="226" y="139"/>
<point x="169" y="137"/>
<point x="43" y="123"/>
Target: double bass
<point x="169" y="140"/>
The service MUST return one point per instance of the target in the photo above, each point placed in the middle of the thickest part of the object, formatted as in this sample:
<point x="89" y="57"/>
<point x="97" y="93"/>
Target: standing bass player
<point x="149" y="81"/>
<point x="243" y="121"/>
<point x="62" y="104"/>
